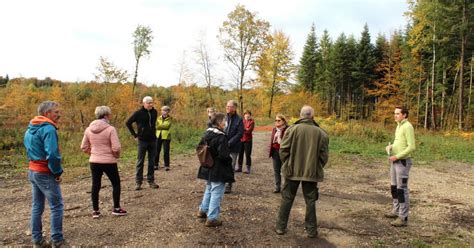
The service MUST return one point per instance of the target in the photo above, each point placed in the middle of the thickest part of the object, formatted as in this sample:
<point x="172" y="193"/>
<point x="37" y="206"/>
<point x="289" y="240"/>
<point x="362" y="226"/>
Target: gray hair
<point x="307" y="112"/>
<point x="46" y="106"/>
<point x="217" y="118"/>
<point x="147" y="99"/>
<point x="102" y="111"/>
<point x="234" y="102"/>
<point x="166" y="108"/>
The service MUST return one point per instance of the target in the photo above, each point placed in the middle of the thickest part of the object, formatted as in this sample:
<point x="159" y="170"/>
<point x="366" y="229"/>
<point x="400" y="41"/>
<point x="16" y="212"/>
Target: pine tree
<point x="307" y="68"/>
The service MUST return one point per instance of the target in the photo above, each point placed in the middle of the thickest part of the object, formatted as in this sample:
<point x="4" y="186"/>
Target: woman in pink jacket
<point x="102" y="143"/>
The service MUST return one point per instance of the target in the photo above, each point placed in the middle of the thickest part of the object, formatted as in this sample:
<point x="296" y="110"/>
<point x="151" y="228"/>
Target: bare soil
<point x="353" y="199"/>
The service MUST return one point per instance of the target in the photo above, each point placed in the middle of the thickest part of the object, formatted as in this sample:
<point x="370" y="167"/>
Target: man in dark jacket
<point x="234" y="130"/>
<point x="145" y="119"/>
<point x="216" y="176"/>
<point x="304" y="153"/>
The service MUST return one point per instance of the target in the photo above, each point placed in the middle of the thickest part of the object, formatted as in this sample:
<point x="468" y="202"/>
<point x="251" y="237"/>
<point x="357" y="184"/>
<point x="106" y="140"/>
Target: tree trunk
<point x="418" y="100"/>
<point x="135" y="76"/>
<point x="443" y="95"/>
<point x="271" y="98"/>
<point x="461" y="70"/>
<point x="470" y="92"/>
<point x="432" y="90"/>
<point x="425" y="126"/>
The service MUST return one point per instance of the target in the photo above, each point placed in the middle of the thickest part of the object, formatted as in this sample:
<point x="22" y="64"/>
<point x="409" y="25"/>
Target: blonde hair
<point x="282" y="117"/>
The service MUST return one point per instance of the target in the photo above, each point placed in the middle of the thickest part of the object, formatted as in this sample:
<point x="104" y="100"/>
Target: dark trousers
<point x="246" y="148"/>
<point x="288" y="193"/>
<point x="143" y="148"/>
<point x="276" y="168"/>
<point x="166" y="147"/>
<point x="112" y="173"/>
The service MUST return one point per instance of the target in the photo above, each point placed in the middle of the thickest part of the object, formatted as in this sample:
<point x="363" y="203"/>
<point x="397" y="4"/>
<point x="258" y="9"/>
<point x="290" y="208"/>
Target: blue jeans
<point x="211" y="201"/>
<point x="44" y="186"/>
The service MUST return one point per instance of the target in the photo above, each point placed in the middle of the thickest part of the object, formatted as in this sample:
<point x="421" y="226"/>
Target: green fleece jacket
<point x="404" y="143"/>
<point x="304" y="151"/>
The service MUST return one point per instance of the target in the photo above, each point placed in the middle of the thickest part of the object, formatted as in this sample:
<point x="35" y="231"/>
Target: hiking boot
<point x="239" y="169"/>
<point x="95" y="214"/>
<point x="138" y="186"/>
<point x="41" y="244"/>
<point x="399" y="222"/>
<point x="390" y="215"/>
<point x="153" y="185"/>
<point x="228" y="189"/>
<point x="200" y="214"/>
<point x="213" y="223"/>
<point x="277" y="190"/>
<point x="167" y="168"/>
<point x="312" y="235"/>
<point x="280" y="231"/>
<point x="59" y="244"/>
<point x="119" y="212"/>
<point x="156" y="167"/>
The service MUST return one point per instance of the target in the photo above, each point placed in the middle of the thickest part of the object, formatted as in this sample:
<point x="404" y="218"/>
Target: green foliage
<point x="308" y="63"/>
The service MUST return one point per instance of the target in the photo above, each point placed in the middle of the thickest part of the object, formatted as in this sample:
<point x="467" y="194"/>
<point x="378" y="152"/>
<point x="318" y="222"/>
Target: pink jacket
<point x="101" y="142"/>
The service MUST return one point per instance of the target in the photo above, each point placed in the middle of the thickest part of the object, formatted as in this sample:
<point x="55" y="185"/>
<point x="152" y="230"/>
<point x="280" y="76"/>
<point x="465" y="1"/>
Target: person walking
<point x="246" y="140"/>
<point x="102" y="143"/>
<point x="163" y="137"/>
<point x="216" y="176"/>
<point x="400" y="158"/>
<point x="145" y="119"/>
<point x="45" y="173"/>
<point x="277" y="134"/>
<point x="234" y="129"/>
<point x="304" y="153"/>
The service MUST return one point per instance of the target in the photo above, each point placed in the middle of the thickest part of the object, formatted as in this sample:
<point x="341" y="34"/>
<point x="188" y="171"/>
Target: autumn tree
<point x="274" y="66"/>
<point x="108" y="72"/>
<point x="242" y="36"/>
<point x="142" y="37"/>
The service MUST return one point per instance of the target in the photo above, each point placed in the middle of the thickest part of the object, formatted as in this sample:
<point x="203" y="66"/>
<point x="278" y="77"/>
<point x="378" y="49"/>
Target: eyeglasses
<point x="277" y="120"/>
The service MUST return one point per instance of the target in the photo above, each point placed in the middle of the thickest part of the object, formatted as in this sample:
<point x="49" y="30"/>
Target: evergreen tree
<point x="307" y="68"/>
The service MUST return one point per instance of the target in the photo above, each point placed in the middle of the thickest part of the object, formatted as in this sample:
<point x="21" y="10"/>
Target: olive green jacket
<point x="304" y="151"/>
<point x="163" y="127"/>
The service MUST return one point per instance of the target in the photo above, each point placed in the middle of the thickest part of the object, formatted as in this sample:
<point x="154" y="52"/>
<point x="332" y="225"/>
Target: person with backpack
<point x="217" y="174"/>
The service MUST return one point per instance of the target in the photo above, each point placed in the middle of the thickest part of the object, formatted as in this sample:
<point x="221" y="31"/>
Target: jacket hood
<point x="38" y="122"/>
<point x="212" y="132"/>
<point x="309" y="121"/>
<point x="98" y="126"/>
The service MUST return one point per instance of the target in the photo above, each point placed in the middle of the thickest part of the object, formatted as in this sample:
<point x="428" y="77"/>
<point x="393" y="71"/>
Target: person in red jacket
<point x="246" y="140"/>
<point x="277" y="135"/>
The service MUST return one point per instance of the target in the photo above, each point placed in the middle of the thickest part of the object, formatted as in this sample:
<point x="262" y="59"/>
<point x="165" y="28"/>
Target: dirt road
<point x="350" y="211"/>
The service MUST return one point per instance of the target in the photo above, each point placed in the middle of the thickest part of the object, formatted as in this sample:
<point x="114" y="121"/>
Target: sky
<point x="65" y="39"/>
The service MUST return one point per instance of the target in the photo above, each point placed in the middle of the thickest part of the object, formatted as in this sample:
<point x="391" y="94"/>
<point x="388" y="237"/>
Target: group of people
<point x="299" y="153"/>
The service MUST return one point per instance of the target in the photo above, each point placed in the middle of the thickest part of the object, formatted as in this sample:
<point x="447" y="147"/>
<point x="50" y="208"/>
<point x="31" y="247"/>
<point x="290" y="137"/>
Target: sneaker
<point x="200" y="214"/>
<point x="41" y="244"/>
<point x="119" y="212"/>
<point x="59" y="244"/>
<point x="280" y="231"/>
<point x="95" y="214"/>
<point x="390" y="215"/>
<point x="167" y="168"/>
<point x="213" y="223"/>
<point x="153" y="185"/>
<point x="399" y="222"/>
<point x="228" y="189"/>
<point x="138" y="186"/>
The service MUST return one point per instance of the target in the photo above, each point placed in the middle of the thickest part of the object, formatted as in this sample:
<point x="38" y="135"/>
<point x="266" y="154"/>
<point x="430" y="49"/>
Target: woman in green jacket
<point x="163" y="125"/>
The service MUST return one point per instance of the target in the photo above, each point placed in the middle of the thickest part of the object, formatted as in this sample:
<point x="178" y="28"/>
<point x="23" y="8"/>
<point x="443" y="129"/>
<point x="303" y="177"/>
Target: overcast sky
<point x="64" y="39"/>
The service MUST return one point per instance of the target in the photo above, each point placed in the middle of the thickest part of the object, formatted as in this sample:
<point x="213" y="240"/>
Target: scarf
<point x="277" y="137"/>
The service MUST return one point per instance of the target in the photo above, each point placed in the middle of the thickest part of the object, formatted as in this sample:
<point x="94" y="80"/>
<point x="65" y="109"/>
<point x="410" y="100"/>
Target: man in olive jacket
<point x="304" y="153"/>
